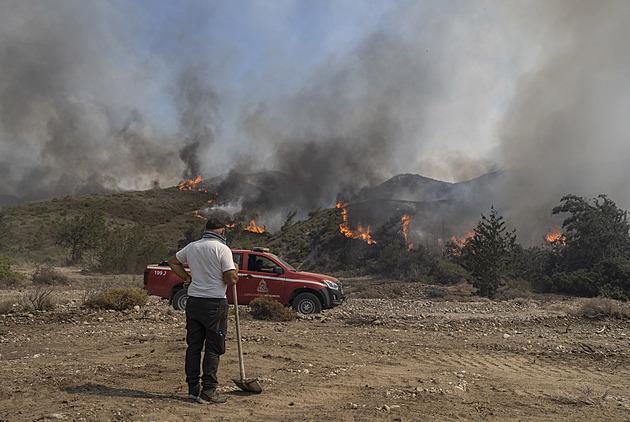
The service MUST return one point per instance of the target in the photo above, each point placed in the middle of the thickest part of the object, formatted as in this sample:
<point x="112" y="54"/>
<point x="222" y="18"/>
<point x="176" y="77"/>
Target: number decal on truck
<point x="160" y="272"/>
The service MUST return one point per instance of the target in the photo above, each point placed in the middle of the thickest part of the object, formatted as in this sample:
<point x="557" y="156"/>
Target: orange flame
<point x="254" y="228"/>
<point x="199" y="215"/>
<point x="406" y="219"/>
<point x="359" y="233"/>
<point x="190" y="184"/>
<point x="555" y="236"/>
<point x="461" y="241"/>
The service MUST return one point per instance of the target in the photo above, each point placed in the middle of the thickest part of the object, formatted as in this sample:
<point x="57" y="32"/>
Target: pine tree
<point x="490" y="253"/>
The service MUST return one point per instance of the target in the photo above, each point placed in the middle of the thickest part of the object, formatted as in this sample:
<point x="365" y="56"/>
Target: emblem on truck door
<point x="262" y="287"/>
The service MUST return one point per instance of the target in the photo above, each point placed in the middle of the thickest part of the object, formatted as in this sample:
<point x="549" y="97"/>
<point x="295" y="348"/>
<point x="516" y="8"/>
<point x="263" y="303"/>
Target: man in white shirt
<point x="212" y="269"/>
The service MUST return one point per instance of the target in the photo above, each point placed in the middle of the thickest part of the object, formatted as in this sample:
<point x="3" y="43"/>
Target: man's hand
<point x="179" y="270"/>
<point x="231" y="277"/>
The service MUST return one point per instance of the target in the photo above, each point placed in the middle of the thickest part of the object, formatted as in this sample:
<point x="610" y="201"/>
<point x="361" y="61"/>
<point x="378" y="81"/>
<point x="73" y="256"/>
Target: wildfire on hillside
<point x="455" y="244"/>
<point x="461" y="241"/>
<point x="191" y="184"/>
<point x="199" y="215"/>
<point x="359" y="232"/>
<point x="254" y="228"/>
<point x="405" y="220"/>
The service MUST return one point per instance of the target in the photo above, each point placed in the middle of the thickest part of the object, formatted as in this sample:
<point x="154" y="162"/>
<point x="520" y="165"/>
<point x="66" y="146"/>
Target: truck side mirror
<point x="278" y="270"/>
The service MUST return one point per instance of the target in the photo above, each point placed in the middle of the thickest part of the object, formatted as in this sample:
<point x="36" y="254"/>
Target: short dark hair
<point x="215" y="223"/>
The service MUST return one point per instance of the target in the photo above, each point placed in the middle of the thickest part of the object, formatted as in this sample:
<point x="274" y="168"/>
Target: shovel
<point x="252" y="385"/>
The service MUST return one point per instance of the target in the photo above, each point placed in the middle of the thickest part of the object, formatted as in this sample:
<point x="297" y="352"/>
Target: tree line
<point x="591" y="258"/>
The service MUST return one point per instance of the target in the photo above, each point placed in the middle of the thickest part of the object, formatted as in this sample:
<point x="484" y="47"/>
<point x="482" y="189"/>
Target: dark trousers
<point x="206" y="324"/>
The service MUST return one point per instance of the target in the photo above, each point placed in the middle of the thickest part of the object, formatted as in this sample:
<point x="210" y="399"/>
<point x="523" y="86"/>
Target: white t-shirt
<point x="207" y="259"/>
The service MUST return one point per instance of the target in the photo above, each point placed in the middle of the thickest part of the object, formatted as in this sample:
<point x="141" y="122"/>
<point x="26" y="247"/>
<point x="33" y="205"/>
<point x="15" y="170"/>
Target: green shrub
<point x="6" y="271"/>
<point x="448" y="273"/>
<point x="127" y="250"/>
<point x="270" y="310"/>
<point x="396" y="261"/>
<point x="48" y="276"/>
<point x="118" y="299"/>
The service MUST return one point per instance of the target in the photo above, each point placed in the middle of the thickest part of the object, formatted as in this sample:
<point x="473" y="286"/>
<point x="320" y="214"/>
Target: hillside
<point x="312" y="241"/>
<point x="166" y="213"/>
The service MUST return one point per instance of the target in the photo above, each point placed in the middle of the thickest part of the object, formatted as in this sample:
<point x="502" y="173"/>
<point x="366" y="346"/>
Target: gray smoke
<point x="566" y="130"/>
<point x="199" y="103"/>
<point x="101" y="96"/>
<point x="73" y="105"/>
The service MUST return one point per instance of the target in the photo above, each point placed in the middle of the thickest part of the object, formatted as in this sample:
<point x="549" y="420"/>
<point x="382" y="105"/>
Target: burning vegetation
<point x="195" y="185"/>
<point x="405" y="220"/>
<point x="359" y="232"/>
<point x="192" y="184"/>
<point x="555" y="236"/>
<point x="589" y="256"/>
<point x="254" y="228"/>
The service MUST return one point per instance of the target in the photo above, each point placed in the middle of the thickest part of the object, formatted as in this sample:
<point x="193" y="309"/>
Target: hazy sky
<point x="130" y="94"/>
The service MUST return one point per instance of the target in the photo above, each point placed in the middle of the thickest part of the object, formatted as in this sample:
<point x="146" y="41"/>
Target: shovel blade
<point x="251" y="385"/>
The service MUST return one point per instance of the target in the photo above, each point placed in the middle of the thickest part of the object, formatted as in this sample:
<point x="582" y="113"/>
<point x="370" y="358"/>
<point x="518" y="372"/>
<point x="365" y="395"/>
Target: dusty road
<point x="409" y="359"/>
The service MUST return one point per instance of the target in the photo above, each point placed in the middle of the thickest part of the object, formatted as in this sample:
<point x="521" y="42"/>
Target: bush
<point x="39" y="299"/>
<point x="6" y="307"/>
<point x="11" y="282"/>
<point x="6" y="271"/>
<point x="48" y="276"/>
<point x="118" y="299"/>
<point x="127" y="250"/>
<point x="270" y="310"/>
<point x="601" y="307"/>
<point x="397" y="262"/>
<point x="448" y="273"/>
<point x="435" y="292"/>
<point x="609" y="278"/>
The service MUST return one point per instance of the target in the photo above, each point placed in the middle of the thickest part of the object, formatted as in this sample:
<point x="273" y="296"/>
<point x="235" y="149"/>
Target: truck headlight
<point x="331" y="284"/>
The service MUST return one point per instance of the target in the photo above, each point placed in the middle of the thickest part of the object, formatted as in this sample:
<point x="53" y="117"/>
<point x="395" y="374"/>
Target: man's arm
<point x="230" y="277"/>
<point x="178" y="269"/>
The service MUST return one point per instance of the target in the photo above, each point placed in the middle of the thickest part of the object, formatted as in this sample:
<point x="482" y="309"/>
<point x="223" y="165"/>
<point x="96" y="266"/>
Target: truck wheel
<point x="179" y="299"/>
<point x="307" y="303"/>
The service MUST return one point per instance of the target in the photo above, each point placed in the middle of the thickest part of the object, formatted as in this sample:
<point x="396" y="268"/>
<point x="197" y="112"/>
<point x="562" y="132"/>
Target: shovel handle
<point x="238" y="333"/>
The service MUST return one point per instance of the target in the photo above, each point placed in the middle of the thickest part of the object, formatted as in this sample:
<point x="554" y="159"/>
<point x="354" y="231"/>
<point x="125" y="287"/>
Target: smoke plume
<point x="565" y="130"/>
<point x="110" y="96"/>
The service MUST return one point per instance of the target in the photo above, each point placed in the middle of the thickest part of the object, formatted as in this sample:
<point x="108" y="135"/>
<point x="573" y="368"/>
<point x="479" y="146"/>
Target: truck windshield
<point x="283" y="262"/>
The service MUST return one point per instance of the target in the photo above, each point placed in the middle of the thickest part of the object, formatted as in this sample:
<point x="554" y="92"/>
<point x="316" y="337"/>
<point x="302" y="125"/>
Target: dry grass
<point x="47" y="275"/>
<point x="6" y="306"/>
<point x="270" y="310"/>
<point x="118" y="299"/>
<point x="11" y="283"/>
<point x="40" y="298"/>
<point x="600" y="307"/>
<point x="585" y="395"/>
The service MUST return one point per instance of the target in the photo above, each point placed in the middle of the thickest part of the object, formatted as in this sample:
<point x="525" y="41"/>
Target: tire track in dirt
<point x="514" y="364"/>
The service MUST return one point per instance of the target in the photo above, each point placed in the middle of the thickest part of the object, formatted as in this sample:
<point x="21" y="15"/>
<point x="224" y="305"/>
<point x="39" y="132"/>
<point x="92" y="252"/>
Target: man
<point x="212" y="269"/>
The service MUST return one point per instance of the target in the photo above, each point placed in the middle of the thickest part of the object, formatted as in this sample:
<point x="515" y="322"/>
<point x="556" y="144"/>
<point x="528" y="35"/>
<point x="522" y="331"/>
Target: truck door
<point x="260" y="279"/>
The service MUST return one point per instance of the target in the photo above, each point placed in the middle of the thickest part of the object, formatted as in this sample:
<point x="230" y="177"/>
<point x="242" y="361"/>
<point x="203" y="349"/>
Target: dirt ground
<point x="410" y="358"/>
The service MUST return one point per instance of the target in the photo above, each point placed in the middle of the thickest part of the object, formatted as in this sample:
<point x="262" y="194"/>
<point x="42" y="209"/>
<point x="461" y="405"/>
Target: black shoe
<point x="210" y="397"/>
<point x="193" y="391"/>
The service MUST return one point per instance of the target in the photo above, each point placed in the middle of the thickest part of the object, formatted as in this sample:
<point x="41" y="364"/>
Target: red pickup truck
<point x="261" y="274"/>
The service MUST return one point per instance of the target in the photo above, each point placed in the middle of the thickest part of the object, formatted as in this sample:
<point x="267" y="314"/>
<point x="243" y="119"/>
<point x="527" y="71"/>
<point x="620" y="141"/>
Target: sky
<point x="99" y="96"/>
